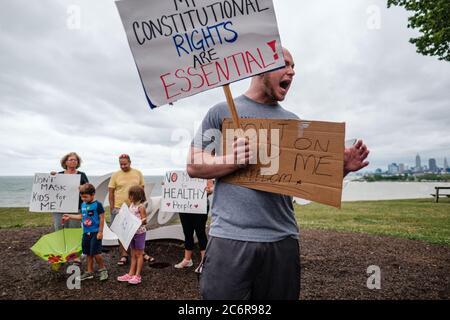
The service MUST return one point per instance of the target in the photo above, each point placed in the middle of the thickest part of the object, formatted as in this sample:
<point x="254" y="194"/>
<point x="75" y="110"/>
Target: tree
<point x="432" y="18"/>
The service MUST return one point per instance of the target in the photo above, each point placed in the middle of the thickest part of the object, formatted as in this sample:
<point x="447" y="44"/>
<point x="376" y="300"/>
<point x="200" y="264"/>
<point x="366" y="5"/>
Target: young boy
<point x="93" y="219"/>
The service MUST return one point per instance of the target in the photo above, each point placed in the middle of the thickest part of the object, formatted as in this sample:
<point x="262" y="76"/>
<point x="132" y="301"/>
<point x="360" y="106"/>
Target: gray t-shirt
<point x="240" y="213"/>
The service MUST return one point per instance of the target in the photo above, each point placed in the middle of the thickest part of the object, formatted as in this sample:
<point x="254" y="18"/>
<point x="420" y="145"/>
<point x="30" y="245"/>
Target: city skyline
<point x="432" y="164"/>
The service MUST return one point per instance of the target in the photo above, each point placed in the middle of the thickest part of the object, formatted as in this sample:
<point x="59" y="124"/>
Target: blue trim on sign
<point x="150" y="103"/>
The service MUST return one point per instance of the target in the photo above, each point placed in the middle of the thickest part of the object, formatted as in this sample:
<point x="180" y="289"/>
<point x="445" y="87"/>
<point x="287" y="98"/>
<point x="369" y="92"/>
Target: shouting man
<point x="253" y="252"/>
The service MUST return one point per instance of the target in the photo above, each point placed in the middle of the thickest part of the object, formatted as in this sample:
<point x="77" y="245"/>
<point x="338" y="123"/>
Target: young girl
<point x="137" y="198"/>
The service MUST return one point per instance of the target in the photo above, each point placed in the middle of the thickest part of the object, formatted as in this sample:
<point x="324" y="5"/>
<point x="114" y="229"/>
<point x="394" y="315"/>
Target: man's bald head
<point x="272" y="87"/>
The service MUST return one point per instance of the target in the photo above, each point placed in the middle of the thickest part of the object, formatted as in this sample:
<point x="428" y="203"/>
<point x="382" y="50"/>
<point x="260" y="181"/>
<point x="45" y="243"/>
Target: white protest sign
<point x="125" y="225"/>
<point x="109" y="237"/>
<point x="55" y="193"/>
<point x="181" y="193"/>
<point x="183" y="47"/>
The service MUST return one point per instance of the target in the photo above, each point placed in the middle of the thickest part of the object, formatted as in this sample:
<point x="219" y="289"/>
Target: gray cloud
<point x="64" y="90"/>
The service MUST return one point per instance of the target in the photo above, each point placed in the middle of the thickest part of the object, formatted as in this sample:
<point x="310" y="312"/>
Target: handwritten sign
<point x="181" y="193"/>
<point x="125" y="225"/>
<point x="295" y="157"/>
<point x="55" y="193"/>
<point x="183" y="47"/>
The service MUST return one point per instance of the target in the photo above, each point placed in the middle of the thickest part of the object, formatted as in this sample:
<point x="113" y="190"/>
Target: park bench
<point x="437" y="194"/>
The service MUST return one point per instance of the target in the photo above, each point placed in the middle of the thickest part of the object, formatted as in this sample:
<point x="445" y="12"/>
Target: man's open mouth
<point x="285" y="84"/>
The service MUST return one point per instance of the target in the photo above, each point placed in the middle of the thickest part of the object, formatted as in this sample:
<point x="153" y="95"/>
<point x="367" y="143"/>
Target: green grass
<point x="420" y="219"/>
<point x="22" y="218"/>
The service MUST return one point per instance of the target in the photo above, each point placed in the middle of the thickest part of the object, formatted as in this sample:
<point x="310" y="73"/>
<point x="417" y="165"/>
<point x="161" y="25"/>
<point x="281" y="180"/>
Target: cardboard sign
<point x="295" y="157"/>
<point x="125" y="225"/>
<point x="181" y="193"/>
<point x="55" y="193"/>
<point x="183" y="47"/>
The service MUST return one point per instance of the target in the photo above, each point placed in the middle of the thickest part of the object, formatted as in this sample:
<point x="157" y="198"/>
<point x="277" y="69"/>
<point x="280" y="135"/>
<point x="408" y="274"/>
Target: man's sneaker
<point x="125" y="278"/>
<point x="184" y="264"/>
<point x="86" y="276"/>
<point x="103" y="274"/>
<point x="135" y="280"/>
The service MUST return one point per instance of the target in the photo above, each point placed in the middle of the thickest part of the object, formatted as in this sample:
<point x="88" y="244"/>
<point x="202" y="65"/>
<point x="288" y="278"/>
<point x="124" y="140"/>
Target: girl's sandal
<point x="123" y="261"/>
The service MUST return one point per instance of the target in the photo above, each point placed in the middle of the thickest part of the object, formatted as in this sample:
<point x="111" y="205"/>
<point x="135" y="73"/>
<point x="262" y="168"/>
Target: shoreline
<point x="298" y="200"/>
<point x="17" y="195"/>
<point x="416" y="219"/>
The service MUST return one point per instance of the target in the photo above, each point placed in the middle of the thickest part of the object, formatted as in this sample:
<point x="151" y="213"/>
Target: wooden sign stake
<point x="232" y="106"/>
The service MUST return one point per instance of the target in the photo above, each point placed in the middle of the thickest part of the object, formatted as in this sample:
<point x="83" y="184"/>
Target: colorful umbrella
<point x="59" y="247"/>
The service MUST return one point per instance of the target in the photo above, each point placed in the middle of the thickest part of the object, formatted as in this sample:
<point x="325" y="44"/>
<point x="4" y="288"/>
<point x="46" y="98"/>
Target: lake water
<point x="356" y="191"/>
<point x="16" y="191"/>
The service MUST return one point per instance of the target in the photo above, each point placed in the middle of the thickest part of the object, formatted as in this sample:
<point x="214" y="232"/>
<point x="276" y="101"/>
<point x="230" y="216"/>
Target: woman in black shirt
<point x="70" y="163"/>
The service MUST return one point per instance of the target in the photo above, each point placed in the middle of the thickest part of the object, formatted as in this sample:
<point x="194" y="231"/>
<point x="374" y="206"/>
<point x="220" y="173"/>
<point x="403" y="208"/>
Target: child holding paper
<point x="137" y="198"/>
<point x="93" y="219"/>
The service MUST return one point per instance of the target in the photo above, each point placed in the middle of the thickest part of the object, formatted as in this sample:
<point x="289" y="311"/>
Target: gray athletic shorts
<point x="240" y="270"/>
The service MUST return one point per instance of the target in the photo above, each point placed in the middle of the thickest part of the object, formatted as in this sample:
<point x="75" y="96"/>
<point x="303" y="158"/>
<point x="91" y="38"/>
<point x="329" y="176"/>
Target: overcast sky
<point x="64" y="88"/>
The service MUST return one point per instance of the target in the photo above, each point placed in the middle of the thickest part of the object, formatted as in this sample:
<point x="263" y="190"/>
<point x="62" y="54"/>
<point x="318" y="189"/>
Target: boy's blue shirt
<point x="91" y="216"/>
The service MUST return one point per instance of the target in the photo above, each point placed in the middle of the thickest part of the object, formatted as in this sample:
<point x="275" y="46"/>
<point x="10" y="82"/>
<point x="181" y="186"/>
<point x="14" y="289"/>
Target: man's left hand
<point x="354" y="157"/>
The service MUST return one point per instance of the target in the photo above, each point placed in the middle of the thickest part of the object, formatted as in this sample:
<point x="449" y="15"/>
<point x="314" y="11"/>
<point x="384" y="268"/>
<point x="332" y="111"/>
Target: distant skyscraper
<point x="445" y="164"/>
<point x="432" y="165"/>
<point x="393" y="168"/>
<point x="418" y="164"/>
<point x="401" y="168"/>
